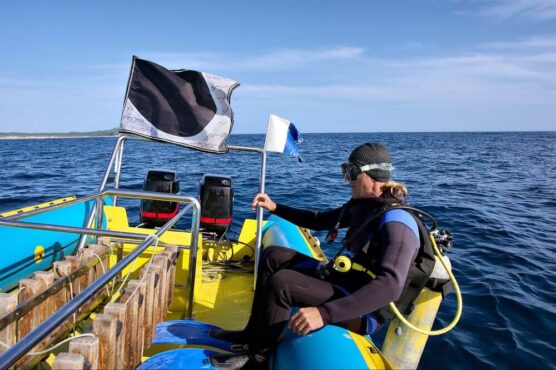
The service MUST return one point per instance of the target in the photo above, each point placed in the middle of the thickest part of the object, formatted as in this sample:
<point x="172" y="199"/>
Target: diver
<point x="377" y="254"/>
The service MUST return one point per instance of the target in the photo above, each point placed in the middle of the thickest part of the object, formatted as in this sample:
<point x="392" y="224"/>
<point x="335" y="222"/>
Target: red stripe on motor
<point x="166" y="215"/>
<point x="159" y="215"/>
<point x="220" y="221"/>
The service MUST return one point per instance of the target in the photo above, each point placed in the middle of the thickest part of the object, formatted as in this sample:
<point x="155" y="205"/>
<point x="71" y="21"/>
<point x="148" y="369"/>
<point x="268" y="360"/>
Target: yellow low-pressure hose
<point x="457" y="316"/>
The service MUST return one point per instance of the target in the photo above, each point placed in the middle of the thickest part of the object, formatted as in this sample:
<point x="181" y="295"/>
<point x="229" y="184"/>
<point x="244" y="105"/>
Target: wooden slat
<point x="105" y="244"/>
<point x="149" y="278"/>
<point x="119" y="311"/>
<point x="138" y="288"/>
<point x="99" y="250"/>
<point x="75" y="263"/>
<point x="105" y="328"/>
<point x="8" y="302"/>
<point x="132" y="303"/>
<point x="159" y="303"/>
<point x="165" y="260"/>
<point x="88" y="347"/>
<point x="28" y="288"/>
<point x="46" y="279"/>
<point x="86" y="257"/>
<point x="47" y="307"/>
<point x="68" y="361"/>
<point x="62" y="269"/>
<point x="101" y="267"/>
<point x="173" y="253"/>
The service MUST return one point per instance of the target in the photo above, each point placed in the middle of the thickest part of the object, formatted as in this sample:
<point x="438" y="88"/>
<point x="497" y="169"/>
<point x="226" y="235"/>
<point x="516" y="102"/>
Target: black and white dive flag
<point x="182" y="107"/>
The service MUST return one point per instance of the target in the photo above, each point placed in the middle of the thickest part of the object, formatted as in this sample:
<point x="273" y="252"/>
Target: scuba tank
<point x="403" y="345"/>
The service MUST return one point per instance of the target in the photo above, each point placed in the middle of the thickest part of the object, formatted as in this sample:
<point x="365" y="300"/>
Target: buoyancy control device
<point x="429" y="279"/>
<point x="216" y="195"/>
<point x="421" y="271"/>
<point x="155" y="212"/>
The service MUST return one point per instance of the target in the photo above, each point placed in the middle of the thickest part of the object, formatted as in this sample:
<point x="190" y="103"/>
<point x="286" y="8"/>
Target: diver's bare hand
<point x="264" y="201"/>
<point x="306" y="320"/>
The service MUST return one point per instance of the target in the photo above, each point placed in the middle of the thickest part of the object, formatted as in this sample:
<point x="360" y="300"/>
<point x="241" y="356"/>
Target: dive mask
<point x="350" y="171"/>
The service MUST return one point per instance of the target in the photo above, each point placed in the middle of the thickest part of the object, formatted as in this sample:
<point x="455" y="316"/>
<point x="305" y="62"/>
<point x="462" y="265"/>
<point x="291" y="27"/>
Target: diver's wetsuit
<point x="288" y="278"/>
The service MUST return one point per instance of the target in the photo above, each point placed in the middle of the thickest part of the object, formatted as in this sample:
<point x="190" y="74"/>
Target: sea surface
<point x="494" y="191"/>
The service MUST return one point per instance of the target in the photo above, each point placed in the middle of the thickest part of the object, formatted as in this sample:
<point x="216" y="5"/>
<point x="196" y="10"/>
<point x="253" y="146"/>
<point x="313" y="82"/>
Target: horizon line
<point x="84" y="133"/>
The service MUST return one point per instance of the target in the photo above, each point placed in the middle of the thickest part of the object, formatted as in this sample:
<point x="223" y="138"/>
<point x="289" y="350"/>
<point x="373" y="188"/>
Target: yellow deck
<point x="213" y="299"/>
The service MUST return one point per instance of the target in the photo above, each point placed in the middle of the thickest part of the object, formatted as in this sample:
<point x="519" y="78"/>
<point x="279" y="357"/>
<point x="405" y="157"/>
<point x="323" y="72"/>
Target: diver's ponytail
<point x="396" y="189"/>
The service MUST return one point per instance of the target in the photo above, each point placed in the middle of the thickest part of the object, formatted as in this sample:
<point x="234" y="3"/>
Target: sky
<point x="328" y="66"/>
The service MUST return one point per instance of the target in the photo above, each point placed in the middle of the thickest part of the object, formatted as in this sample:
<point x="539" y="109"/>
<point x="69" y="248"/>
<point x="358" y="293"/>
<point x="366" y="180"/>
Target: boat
<point x="83" y="288"/>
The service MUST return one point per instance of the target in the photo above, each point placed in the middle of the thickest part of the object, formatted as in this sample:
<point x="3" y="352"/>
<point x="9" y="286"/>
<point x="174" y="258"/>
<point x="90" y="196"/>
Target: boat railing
<point x="115" y="166"/>
<point x="19" y="349"/>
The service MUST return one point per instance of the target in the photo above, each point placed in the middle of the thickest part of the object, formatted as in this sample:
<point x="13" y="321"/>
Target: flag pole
<point x="259" y="215"/>
<point x="260" y="210"/>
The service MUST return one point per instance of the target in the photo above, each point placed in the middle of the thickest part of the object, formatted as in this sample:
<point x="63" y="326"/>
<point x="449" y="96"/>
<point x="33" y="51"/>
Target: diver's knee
<point x="274" y="256"/>
<point x="279" y="281"/>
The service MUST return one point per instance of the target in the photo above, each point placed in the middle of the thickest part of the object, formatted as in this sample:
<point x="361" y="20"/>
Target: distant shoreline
<point x="58" y="135"/>
<point x="16" y="137"/>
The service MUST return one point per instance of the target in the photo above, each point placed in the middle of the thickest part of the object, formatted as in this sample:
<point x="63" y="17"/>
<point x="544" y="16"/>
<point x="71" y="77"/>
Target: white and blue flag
<point x="282" y="137"/>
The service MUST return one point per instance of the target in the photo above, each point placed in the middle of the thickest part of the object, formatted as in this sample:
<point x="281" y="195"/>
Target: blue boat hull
<point x="37" y="249"/>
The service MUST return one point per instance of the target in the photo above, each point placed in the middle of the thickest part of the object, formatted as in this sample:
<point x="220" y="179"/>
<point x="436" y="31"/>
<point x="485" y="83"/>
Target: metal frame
<point x="115" y="158"/>
<point x="12" y="354"/>
<point x="116" y="162"/>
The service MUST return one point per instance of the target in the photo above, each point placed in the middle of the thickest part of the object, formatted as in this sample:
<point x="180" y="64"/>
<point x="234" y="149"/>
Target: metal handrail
<point x="12" y="354"/>
<point x="97" y="210"/>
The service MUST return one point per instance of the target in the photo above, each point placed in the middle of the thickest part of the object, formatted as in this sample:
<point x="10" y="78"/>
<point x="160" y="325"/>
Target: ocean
<point x="493" y="191"/>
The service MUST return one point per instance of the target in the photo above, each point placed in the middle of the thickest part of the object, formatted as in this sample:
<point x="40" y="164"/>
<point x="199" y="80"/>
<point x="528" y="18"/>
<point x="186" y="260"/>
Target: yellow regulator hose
<point x="457" y="316"/>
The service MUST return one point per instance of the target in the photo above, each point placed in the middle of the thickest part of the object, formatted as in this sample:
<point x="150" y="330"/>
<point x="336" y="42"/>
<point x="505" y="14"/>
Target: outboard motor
<point x="155" y="212"/>
<point x="216" y="194"/>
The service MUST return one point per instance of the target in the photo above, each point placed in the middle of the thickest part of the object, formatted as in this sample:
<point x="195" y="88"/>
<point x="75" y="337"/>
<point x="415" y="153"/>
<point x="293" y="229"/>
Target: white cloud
<point x="532" y="43"/>
<point x="292" y="58"/>
<point x="540" y="10"/>
<point x="212" y="61"/>
<point x="281" y="59"/>
<point x="489" y="76"/>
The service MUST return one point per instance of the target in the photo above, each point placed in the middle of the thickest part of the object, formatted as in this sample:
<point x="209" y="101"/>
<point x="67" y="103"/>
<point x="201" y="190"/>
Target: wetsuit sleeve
<point x="399" y="246"/>
<point x="314" y="220"/>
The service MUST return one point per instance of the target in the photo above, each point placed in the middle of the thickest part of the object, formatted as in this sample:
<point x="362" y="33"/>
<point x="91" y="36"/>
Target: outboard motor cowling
<point x="155" y="212"/>
<point x="216" y="194"/>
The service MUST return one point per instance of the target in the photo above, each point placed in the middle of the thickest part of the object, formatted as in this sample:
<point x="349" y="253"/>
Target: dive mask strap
<point x="377" y="166"/>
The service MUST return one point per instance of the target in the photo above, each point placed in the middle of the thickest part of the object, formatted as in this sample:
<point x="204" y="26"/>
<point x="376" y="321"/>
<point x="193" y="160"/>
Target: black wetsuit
<point x="288" y="279"/>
